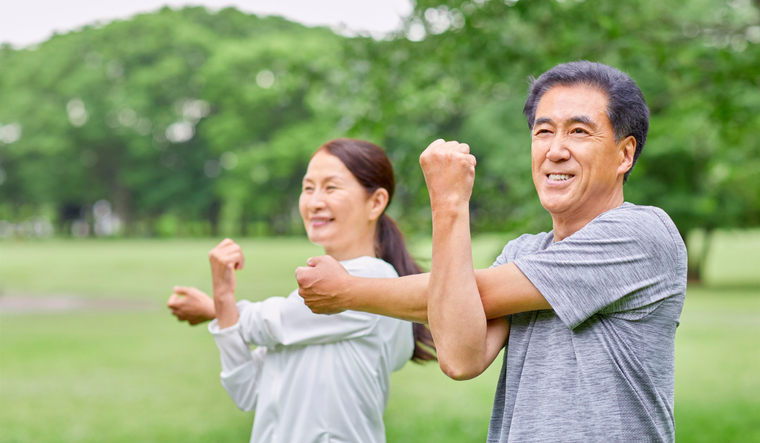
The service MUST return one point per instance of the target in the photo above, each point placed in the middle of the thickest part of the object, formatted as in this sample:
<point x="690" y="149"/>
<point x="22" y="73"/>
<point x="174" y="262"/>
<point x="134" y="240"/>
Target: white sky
<point x="26" y="22"/>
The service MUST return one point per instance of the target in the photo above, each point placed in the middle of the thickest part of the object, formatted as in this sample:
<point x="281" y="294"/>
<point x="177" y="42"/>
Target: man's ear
<point x="627" y="148"/>
<point x="378" y="201"/>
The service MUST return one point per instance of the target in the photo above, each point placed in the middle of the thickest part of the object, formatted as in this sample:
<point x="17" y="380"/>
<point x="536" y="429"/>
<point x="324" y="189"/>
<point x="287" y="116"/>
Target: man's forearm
<point x="455" y="312"/>
<point x="404" y="297"/>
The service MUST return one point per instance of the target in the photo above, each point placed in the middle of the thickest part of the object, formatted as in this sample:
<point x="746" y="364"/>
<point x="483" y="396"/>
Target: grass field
<point x="138" y="375"/>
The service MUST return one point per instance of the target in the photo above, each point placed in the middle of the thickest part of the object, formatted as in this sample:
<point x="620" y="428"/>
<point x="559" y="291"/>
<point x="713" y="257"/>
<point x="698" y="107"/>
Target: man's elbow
<point x="459" y="371"/>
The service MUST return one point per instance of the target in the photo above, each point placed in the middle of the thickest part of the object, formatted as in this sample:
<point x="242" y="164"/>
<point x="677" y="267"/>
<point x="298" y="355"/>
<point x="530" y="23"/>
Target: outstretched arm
<point x="327" y="288"/>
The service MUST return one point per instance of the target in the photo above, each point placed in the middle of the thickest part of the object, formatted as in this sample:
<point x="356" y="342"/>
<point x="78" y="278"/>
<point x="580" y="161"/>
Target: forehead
<point x="564" y="102"/>
<point x="325" y="165"/>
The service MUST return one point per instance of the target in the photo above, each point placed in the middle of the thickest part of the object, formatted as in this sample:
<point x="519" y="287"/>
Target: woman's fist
<point x="225" y="259"/>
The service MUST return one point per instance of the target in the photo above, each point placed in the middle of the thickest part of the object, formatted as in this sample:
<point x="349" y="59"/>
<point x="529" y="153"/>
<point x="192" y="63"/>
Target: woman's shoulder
<point x="369" y="267"/>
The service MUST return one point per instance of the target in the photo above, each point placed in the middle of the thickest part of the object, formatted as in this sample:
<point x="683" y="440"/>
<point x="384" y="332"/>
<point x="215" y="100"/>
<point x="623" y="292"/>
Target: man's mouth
<point x="559" y="177"/>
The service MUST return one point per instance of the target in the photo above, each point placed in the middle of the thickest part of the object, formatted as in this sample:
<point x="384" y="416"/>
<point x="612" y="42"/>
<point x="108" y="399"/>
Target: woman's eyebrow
<point x="323" y="179"/>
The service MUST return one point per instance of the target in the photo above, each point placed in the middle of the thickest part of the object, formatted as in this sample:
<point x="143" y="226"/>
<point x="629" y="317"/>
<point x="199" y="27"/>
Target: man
<point x="587" y="312"/>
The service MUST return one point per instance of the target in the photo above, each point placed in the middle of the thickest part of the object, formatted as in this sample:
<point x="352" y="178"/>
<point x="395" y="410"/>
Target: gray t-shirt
<point x="599" y="366"/>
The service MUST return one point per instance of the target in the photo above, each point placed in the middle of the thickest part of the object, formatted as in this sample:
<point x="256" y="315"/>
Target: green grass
<point x="140" y="376"/>
<point x="733" y="259"/>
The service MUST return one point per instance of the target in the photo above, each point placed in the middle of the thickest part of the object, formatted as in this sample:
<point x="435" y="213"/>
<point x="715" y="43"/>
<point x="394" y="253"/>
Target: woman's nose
<point x="316" y="200"/>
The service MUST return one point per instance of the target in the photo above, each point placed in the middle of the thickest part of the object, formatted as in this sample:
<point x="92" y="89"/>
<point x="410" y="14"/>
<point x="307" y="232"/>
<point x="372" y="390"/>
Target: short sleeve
<point x="622" y="263"/>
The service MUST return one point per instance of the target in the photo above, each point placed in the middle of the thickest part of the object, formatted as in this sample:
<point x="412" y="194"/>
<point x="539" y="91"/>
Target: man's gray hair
<point x="626" y="107"/>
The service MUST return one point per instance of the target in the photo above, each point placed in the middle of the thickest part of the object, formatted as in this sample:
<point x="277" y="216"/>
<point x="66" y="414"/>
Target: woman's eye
<point x="330" y="188"/>
<point x="543" y="131"/>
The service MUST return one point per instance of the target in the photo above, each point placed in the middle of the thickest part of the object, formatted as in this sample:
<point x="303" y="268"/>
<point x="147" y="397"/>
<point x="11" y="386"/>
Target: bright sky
<point x="26" y="22"/>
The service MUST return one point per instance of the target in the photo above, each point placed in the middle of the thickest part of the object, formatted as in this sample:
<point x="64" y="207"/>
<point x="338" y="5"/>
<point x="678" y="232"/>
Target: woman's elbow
<point x="245" y="407"/>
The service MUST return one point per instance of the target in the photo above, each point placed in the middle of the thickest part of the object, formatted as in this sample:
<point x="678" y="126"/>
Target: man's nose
<point x="558" y="149"/>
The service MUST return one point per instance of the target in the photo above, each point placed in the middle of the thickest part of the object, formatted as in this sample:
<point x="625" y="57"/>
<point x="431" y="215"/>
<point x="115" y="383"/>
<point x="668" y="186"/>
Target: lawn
<point x="138" y="375"/>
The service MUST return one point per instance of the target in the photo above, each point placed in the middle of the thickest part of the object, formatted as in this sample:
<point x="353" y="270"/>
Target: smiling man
<point x="587" y="312"/>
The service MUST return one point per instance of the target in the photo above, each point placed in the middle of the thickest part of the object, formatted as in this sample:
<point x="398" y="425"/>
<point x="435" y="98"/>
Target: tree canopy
<point x="194" y="123"/>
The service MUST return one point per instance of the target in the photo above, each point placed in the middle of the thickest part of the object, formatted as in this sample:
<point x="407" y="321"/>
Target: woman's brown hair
<point x="372" y="168"/>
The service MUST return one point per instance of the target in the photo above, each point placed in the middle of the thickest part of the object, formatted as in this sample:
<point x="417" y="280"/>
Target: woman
<point x="317" y="378"/>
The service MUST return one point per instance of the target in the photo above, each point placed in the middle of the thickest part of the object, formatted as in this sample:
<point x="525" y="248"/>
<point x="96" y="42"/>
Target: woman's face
<point x="337" y="212"/>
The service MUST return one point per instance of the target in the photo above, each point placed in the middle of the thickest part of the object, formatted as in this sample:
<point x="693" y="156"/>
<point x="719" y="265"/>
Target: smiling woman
<point x="316" y="377"/>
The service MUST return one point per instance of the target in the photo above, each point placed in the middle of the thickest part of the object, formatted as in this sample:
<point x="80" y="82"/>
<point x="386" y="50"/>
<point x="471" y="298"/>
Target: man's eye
<point x="579" y="131"/>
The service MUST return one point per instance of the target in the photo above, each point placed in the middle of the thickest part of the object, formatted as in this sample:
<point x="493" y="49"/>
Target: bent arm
<point x="241" y="367"/>
<point x="287" y="321"/>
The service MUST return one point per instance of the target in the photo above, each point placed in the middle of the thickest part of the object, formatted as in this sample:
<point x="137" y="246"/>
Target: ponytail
<point x="390" y="246"/>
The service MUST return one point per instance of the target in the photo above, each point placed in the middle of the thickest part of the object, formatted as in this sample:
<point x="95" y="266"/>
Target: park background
<point x="128" y="149"/>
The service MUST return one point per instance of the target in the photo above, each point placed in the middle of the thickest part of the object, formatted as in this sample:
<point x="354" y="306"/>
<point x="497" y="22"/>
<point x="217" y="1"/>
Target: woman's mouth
<point x="317" y="222"/>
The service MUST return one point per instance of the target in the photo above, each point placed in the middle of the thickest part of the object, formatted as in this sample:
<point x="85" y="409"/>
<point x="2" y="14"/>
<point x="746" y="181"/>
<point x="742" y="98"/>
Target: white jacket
<point x="313" y="378"/>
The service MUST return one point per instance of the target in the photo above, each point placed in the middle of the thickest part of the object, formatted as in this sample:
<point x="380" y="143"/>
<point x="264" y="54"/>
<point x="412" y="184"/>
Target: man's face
<point x="577" y="166"/>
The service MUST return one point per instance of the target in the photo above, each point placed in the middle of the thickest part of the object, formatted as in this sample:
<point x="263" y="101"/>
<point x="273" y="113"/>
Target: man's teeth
<point x="559" y="177"/>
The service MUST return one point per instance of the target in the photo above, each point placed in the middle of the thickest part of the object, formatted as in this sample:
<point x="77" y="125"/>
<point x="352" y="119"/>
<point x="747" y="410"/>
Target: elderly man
<point x="587" y="312"/>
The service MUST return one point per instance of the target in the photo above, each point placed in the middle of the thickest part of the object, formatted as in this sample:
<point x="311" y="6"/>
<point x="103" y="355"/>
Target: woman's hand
<point x="225" y="259"/>
<point x="191" y="305"/>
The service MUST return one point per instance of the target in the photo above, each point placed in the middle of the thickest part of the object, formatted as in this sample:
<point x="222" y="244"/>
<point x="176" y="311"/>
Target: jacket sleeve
<point x="288" y="321"/>
<point x="241" y="367"/>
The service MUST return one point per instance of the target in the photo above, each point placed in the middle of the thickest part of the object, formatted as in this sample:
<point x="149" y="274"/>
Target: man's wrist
<point x="449" y="208"/>
<point x="349" y="298"/>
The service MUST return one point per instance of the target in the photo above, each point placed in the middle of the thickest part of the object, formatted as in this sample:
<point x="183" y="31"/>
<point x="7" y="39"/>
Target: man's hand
<point x="225" y="259"/>
<point x="191" y="305"/>
<point x="449" y="170"/>
<point x="324" y="285"/>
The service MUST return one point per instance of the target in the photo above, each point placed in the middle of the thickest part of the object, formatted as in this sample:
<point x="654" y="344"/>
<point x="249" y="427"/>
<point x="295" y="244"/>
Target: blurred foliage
<point x="197" y="123"/>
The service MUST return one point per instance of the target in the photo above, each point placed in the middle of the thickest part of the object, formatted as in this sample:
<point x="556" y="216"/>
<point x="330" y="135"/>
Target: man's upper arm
<point x="619" y="264"/>
<point x="506" y="290"/>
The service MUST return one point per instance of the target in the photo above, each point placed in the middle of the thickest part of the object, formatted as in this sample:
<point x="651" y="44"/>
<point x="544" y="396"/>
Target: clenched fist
<point x="191" y="305"/>
<point x="449" y="170"/>
<point x="225" y="259"/>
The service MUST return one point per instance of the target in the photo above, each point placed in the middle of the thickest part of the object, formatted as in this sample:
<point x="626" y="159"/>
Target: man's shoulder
<point x="649" y="224"/>
<point x="522" y="245"/>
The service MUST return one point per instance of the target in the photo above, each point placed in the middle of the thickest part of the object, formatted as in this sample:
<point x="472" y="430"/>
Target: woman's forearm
<point x="226" y="309"/>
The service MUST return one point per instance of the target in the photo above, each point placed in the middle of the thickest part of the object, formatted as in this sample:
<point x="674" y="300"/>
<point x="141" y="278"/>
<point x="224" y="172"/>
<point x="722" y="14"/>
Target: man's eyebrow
<point x="585" y="119"/>
<point x="542" y="120"/>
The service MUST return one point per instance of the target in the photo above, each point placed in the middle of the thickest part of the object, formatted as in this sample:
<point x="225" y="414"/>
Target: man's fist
<point x="191" y="305"/>
<point x="323" y="284"/>
<point x="449" y="170"/>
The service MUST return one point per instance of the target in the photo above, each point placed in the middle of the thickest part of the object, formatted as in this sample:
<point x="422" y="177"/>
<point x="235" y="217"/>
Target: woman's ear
<point x="377" y="203"/>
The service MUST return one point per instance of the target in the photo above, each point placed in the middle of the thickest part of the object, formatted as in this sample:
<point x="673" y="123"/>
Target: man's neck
<point x="565" y="225"/>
